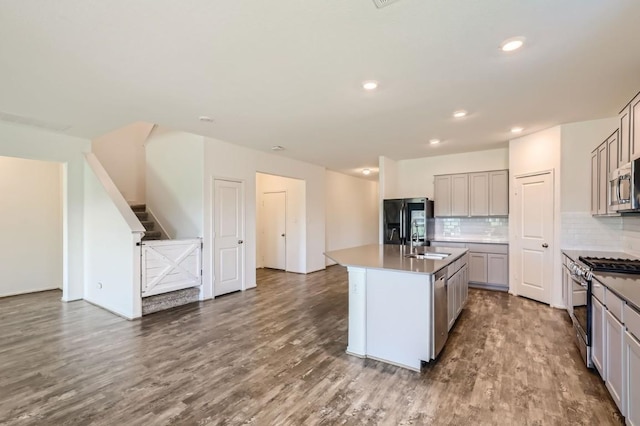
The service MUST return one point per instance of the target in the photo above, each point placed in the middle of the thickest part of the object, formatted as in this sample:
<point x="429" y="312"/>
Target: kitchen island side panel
<point x="398" y="317"/>
<point x="357" y="344"/>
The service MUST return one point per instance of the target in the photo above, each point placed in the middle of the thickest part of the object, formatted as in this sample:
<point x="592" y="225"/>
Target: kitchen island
<point x="402" y="300"/>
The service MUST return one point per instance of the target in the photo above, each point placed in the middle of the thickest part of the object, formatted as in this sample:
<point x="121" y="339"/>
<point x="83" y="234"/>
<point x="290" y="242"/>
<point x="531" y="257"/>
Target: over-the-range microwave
<point x="624" y="187"/>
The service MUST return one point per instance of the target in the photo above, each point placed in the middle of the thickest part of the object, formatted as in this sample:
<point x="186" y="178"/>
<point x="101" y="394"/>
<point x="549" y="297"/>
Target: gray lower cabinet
<point x="597" y="336"/>
<point x="478" y="267"/>
<point x="489" y="268"/>
<point x="613" y="358"/>
<point x="488" y="263"/>
<point x="457" y="291"/>
<point x="497" y="267"/>
<point x="451" y="299"/>
<point x="632" y="362"/>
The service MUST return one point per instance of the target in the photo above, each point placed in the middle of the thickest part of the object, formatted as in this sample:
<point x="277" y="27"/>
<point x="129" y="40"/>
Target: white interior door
<point x="274" y="227"/>
<point x="228" y="239"/>
<point x="533" y="272"/>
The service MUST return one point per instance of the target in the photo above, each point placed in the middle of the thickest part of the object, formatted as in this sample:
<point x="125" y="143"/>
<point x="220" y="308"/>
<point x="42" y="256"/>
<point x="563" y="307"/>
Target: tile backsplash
<point x="631" y="234"/>
<point x="476" y="227"/>
<point x="579" y="230"/>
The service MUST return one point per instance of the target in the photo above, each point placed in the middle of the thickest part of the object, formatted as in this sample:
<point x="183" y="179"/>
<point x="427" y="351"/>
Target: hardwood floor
<point x="275" y="355"/>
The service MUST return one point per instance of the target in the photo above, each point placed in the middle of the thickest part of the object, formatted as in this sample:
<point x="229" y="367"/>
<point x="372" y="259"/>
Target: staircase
<point x="147" y="221"/>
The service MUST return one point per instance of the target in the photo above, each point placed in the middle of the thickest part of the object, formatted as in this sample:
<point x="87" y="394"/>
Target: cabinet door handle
<point x="545" y="245"/>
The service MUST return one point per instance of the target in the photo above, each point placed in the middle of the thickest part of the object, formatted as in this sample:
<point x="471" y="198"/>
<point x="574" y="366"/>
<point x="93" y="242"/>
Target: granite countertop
<point x="392" y="257"/>
<point x="626" y="286"/>
<point x="475" y="240"/>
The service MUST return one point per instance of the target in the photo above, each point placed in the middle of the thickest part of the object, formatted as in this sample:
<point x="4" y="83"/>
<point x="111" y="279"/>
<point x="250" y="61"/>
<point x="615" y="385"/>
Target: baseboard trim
<point x="120" y="314"/>
<point x="489" y="287"/>
<point x="39" y="290"/>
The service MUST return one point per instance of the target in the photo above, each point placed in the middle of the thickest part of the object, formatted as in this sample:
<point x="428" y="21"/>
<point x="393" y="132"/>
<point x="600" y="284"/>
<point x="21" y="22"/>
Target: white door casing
<point x="274" y="246"/>
<point x="533" y="225"/>
<point x="228" y="236"/>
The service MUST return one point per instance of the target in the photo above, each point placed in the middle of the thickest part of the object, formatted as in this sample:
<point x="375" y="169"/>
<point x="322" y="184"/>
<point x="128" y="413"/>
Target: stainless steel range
<point x="580" y="296"/>
<point x="580" y="307"/>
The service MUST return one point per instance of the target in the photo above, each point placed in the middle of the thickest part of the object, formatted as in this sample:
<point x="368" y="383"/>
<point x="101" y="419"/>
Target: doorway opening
<point x="31" y="224"/>
<point x="280" y="223"/>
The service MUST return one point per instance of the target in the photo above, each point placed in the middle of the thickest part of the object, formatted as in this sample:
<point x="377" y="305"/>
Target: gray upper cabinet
<point x="604" y="160"/>
<point x="629" y="146"/>
<point x="634" y="138"/>
<point x="595" y="193"/>
<point x="499" y="193"/>
<point x="472" y="194"/>
<point x="479" y="194"/>
<point x="442" y="195"/>
<point x="460" y="195"/>
<point x="602" y="179"/>
<point x="612" y="151"/>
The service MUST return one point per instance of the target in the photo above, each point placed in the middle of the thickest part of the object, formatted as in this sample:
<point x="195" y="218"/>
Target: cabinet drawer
<point x="598" y="291"/>
<point x="488" y="248"/>
<point x="632" y="320"/>
<point x="615" y="305"/>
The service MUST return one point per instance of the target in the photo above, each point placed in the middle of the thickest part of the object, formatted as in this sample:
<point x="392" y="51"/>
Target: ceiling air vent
<point x="382" y="3"/>
<point x="27" y="121"/>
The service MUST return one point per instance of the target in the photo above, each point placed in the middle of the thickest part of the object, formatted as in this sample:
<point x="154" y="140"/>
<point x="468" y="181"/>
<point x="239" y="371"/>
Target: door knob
<point x="545" y="245"/>
<point x="282" y="235"/>
<point x="240" y="241"/>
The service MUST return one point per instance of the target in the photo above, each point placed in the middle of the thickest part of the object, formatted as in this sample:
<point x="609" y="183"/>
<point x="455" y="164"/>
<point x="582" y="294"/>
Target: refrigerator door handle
<point x="401" y="224"/>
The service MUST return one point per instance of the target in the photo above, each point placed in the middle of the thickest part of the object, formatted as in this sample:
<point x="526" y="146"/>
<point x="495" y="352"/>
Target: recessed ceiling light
<point x="434" y="141"/>
<point x="511" y="44"/>
<point x="460" y="113"/>
<point x="370" y="85"/>
<point x="366" y="172"/>
<point x="277" y="148"/>
<point x="516" y="129"/>
<point x="206" y="119"/>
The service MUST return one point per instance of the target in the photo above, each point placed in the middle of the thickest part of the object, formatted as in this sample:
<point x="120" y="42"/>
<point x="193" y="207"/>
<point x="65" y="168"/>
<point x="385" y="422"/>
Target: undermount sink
<point x="427" y="256"/>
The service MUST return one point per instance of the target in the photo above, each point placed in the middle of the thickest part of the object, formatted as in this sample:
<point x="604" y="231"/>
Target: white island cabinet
<point x="398" y="307"/>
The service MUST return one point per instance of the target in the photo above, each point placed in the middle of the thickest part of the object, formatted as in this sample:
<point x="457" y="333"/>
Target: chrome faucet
<point x="414" y="235"/>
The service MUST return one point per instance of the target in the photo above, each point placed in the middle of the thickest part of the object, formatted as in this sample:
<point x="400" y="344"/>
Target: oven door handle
<point x="576" y="279"/>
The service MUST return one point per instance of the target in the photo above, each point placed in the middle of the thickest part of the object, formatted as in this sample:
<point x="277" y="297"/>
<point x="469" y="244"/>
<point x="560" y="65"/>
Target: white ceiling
<point x="289" y="72"/>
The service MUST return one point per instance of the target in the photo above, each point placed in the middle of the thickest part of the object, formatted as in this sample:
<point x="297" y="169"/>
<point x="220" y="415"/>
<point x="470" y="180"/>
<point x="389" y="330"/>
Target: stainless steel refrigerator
<point x="407" y="220"/>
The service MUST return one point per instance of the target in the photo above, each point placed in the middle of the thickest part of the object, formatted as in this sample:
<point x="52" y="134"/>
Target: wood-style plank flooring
<point x="276" y="355"/>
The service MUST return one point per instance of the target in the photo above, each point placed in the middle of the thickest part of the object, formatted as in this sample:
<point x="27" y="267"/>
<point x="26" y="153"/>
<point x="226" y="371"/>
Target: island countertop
<point x="392" y="257"/>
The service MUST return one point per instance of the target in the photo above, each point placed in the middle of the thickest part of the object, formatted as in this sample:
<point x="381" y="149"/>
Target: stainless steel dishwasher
<point x="440" y="318"/>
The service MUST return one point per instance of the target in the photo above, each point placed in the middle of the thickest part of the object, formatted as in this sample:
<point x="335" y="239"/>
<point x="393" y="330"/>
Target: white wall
<point x="111" y="257"/>
<point x="175" y="181"/>
<point x="578" y="140"/>
<point x="296" y="259"/>
<point x="121" y="153"/>
<point x="578" y="228"/>
<point x="31" y="226"/>
<point x="387" y="177"/>
<point x="352" y="212"/>
<point x="415" y="177"/>
<point x="31" y="143"/>
<point x="225" y="160"/>
<point x="529" y="154"/>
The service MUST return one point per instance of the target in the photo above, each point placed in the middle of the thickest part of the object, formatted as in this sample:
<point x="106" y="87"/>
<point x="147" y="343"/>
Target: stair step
<point x="151" y="235"/>
<point x="138" y="207"/>
<point x="148" y="224"/>
<point x="142" y="216"/>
